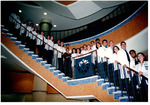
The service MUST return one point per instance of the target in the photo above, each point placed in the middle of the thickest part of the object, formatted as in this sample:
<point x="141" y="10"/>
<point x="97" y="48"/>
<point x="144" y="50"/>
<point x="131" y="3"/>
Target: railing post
<point x="108" y="72"/>
<point x="120" y="82"/>
<point x="126" y="83"/>
<point x="132" y="84"/>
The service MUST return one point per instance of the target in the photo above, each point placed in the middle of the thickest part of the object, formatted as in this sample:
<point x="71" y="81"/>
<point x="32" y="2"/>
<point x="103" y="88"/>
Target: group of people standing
<point x="58" y="55"/>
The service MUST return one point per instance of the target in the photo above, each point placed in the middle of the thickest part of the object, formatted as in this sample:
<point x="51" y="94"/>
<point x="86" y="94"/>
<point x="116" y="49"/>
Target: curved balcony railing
<point x="115" y="17"/>
<point x="83" y="64"/>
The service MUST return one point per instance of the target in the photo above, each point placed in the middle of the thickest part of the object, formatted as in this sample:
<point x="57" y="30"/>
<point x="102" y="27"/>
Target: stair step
<point x="39" y="59"/>
<point x="111" y="90"/>
<point x="5" y="30"/>
<point x="100" y="82"/>
<point x="30" y="53"/>
<point x="9" y="35"/>
<point x="13" y="39"/>
<point x="82" y="81"/>
<point x="118" y="94"/>
<point x="21" y="46"/>
<point x="47" y="66"/>
<point x="51" y="69"/>
<point x="56" y="72"/>
<point x="2" y="26"/>
<point x="17" y="43"/>
<point x="105" y="85"/>
<point x="26" y="49"/>
<point x="34" y="56"/>
<point x="64" y="79"/>
<point x="125" y="99"/>
<point x="43" y="63"/>
<point x="61" y="75"/>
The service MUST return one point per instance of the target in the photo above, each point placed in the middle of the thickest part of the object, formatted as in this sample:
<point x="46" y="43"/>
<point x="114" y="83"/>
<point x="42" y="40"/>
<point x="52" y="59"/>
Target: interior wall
<point x="130" y="29"/>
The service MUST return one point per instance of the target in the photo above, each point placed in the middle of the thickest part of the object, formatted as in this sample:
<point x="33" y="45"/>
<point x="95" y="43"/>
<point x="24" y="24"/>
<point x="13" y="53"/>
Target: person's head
<point x="67" y="45"/>
<point x="31" y="24"/>
<point x="115" y="49"/>
<point x="88" y="47"/>
<point x="92" y="43"/>
<point x="35" y="28"/>
<point x="123" y="45"/>
<point x="42" y="33"/>
<point x="141" y="57"/>
<point x="78" y="50"/>
<point x="98" y="45"/>
<point x="111" y="43"/>
<point x="67" y="50"/>
<point x="97" y="40"/>
<point x="132" y="53"/>
<point x="81" y="48"/>
<point x="104" y="42"/>
<point x="85" y="47"/>
<point x="52" y="38"/>
<point x="73" y="50"/>
<point x="26" y="22"/>
<point x="58" y="41"/>
<point x="48" y="37"/>
<point x="62" y="44"/>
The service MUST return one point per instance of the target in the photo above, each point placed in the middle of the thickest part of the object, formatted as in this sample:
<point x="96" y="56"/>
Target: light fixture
<point x="54" y="25"/>
<point x="37" y="24"/>
<point x="45" y="13"/>
<point x="20" y="11"/>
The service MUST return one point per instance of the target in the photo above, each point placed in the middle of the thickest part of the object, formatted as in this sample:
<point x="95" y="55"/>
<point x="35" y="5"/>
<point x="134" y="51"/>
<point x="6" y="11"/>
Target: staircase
<point x="85" y="88"/>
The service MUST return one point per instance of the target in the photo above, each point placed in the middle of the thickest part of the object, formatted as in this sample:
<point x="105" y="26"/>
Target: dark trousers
<point x="40" y="50"/>
<point x="60" y="64"/>
<point x="45" y="54"/>
<point x="105" y="69"/>
<point x="67" y="67"/>
<point x="27" y="41"/>
<point x="33" y="45"/>
<point x="49" y="56"/>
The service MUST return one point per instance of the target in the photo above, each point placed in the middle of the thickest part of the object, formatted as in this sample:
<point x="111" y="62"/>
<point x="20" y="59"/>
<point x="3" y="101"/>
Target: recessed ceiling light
<point x="45" y="13"/>
<point x="37" y="24"/>
<point x="20" y="11"/>
<point x="54" y="25"/>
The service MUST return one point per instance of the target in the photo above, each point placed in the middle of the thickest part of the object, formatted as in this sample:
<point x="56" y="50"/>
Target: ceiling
<point x="66" y="15"/>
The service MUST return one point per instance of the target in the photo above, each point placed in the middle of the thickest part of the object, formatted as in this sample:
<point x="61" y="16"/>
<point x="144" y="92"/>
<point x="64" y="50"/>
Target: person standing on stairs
<point x="61" y="50"/>
<point x="126" y="61"/>
<point x="23" y="31"/>
<point x="55" y="62"/>
<point x="67" y="63"/>
<point x="28" y="34"/>
<point x="102" y="54"/>
<point x="40" y="43"/>
<point x="33" y="40"/>
<point x="46" y="48"/>
<point x="50" y="50"/>
<point x="109" y="53"/>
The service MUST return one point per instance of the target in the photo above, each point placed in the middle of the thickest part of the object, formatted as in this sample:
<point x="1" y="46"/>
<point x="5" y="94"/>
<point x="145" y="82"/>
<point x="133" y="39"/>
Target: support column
<point x="39" y="92"/>
<point x="45" y="26"/>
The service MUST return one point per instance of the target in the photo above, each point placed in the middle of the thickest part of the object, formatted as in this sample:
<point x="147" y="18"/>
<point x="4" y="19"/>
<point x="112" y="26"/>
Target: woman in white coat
<point x="142" y="69"/>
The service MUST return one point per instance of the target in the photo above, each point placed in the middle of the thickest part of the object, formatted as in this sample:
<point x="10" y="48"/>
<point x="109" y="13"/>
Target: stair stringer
<point x="76" y="91"/>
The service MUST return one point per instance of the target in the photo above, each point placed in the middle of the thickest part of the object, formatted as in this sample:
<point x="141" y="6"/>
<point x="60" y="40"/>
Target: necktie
<point x="127" y="55"/>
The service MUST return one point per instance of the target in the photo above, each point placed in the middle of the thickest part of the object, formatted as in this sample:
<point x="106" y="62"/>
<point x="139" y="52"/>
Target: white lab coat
<point x="112" y="59"/>
<point x="22" y="29"/>
<point x="122" y="58"/>
<point x="101" y="52"/>
<point x="38" y="41"/>
<point x="109" y="53"/>
<point x="61" y="49"/>
<point x="93" y="53"/>
<point x="29" y="28"/>
<point x="33" y="36"/>
<point x="143" y="68"/>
